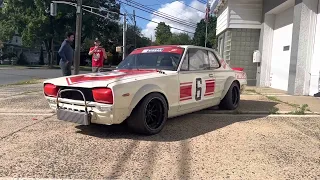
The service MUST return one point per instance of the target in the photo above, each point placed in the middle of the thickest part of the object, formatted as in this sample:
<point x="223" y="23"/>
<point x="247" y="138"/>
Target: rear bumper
<point x="98" y="113"/>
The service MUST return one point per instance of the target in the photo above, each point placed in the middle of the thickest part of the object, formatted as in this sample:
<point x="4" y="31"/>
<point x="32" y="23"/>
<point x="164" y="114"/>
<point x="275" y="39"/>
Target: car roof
<point x="176" y="46"/>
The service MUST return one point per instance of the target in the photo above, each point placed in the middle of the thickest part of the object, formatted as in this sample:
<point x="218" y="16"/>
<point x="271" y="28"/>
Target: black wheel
<point x="150" y="115"/>
<point x="232" y="98"/>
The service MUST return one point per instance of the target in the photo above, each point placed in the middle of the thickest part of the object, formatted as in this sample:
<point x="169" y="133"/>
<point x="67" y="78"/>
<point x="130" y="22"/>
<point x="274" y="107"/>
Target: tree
<point x="180" y="39"/>
<point x="41" y="58"/>
<point x="200" y="32"/>
<point x="163" y="34"/>
<point x="131" y="33"/>
<point x="31" y="19"/>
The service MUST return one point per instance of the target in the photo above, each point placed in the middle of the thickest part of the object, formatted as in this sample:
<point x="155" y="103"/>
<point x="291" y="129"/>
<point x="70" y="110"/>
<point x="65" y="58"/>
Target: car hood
<point x="103" y="79"/>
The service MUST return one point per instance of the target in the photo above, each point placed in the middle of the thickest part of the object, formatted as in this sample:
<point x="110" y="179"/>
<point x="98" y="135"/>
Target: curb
<point x="254" y="112"/>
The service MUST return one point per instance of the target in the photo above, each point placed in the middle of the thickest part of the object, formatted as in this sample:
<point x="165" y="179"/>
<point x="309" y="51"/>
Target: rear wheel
<point x="232" y="98"/>
<point x="150" y="115"/>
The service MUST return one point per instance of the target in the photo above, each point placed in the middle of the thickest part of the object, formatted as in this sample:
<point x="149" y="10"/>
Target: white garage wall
<point x="281" y="58"/>
<point x="315" y="64"/>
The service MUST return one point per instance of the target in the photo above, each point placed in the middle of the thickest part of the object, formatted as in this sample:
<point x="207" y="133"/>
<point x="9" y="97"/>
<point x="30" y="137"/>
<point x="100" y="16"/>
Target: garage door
<point x="281" y="50"/>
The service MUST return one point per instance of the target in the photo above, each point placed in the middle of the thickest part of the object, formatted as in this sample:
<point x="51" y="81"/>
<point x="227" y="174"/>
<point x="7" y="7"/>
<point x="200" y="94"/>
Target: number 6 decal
<point x="198" y="89"/>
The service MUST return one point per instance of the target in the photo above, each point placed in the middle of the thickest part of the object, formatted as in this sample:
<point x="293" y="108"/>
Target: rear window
<point x="164" y="58"/>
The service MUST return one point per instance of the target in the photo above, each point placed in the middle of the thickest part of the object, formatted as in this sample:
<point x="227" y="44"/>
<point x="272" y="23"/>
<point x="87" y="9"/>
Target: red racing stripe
<point x="210" y="87"/>
<point x="185" y="92"/>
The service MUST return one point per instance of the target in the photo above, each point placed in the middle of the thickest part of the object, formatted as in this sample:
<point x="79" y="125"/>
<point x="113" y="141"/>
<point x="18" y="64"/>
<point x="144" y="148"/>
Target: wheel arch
<point x="227" y="85"/>
<point x="145" y="91"/>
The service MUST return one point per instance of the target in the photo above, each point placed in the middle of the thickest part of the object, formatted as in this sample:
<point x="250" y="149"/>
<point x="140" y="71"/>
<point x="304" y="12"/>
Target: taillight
<point x="51" y="90"/>
<point x="103" y="95"/>
<point x="238" y="69"/>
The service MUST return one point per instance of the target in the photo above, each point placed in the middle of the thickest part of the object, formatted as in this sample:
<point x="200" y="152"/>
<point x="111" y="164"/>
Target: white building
<point x="287" y="34"/>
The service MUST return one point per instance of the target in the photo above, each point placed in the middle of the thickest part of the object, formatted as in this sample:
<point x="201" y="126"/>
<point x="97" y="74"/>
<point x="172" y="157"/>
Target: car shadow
<point x="176" y="129"/>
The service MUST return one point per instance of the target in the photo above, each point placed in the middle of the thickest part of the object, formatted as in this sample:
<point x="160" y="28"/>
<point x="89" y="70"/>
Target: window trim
<point x="186" y="53"/>
<point x="216" y="59"/>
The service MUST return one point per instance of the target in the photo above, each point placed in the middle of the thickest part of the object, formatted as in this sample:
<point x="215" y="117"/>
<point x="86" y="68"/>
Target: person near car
<point x="66" y="54"/>
<point x="98" y="56"/>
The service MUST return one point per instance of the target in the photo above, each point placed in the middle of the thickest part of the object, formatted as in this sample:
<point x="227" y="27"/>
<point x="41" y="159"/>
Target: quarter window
<point x="213" y="61"/>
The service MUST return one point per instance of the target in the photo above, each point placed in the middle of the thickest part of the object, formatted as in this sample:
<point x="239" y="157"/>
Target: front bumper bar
<point x="79" y="117"/>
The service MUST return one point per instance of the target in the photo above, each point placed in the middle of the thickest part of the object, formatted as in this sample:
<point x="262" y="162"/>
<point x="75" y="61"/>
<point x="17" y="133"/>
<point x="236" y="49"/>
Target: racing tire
<point x="232" y="98"/>
<point x="149" y="116"/>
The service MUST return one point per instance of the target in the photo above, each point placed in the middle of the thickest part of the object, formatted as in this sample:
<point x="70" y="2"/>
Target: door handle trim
<point x="210" y="75"/>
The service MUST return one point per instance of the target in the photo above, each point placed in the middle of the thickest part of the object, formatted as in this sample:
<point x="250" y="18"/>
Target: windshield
<point x="157" y="60"/>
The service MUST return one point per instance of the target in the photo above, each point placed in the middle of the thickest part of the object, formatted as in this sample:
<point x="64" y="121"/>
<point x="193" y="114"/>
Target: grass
<point x="273" y="98"/>
<point x="274" y="110"/>
<point x="301" y="110"/>
<point x="252" y="91"/>
<point x="27" y="82"/>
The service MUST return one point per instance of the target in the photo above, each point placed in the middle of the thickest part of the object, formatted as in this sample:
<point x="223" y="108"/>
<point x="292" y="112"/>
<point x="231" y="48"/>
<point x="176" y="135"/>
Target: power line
<point x="160" y="14"/>
<point x="131" y="15"/>
<point x="202" y="1"/>
<point x="173" y="9"/>
<point x="188" y="6"/>
<point x="159" y="23"/>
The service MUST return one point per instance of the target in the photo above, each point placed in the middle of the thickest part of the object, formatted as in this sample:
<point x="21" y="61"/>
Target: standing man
<point x="98" y="56"/>
<point x="66" y="53"/>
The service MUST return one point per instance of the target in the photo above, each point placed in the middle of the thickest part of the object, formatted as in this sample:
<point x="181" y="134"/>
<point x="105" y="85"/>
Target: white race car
<point x="148" y="86"/>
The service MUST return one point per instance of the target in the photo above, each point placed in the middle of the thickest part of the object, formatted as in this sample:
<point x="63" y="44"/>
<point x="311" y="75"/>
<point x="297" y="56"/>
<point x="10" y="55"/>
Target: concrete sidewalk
<point x="272" y="101"/>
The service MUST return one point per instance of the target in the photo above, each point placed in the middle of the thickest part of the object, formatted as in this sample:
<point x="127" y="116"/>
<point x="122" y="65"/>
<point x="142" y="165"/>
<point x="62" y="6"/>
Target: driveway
<point x="34" y="144"/>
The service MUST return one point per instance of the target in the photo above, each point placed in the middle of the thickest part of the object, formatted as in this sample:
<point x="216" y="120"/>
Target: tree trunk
<point x="51" y="53"/>
<point x="47" y="45"/>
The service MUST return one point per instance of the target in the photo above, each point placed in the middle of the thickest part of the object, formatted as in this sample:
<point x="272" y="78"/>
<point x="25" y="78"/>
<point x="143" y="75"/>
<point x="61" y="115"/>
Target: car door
<point x="196" y="80"/>
<point x="220" y="74"/>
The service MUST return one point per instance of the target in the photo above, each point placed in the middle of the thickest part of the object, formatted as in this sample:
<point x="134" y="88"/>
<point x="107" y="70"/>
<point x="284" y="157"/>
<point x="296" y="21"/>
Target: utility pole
<point x="207" y="19"/>
<point x="124" y="35"/>
<point x="78" y="37"/>
<point x="135" y="25"/>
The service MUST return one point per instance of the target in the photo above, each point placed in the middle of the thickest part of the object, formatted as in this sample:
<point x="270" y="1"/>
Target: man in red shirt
<point x="98" y="56"/>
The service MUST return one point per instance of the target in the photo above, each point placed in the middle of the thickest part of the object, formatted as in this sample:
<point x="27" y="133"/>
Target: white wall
<point x="223" y="20"/>
<point x="315" y="64"/>
<point x="281" y="58"/>
<point x="245" y="13"/>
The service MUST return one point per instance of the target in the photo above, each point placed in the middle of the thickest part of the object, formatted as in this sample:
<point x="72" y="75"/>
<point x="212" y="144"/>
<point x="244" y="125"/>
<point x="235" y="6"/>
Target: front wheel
<point x="150" y="115"/>
<point x="232" y="98"/>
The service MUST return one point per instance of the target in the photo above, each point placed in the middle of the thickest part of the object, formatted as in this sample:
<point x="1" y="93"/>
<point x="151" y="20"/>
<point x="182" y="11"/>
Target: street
<point x="10" y="75"/>
<point x="34" y="144"/>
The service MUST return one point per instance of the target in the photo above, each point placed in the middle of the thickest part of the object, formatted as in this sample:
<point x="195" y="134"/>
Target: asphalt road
<point x="34" y="144"/>
<point x="10" y="76"/>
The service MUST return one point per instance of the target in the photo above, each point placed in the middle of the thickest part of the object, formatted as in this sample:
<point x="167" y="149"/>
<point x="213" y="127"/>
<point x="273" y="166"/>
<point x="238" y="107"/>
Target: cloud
<point x="178" y="10"/>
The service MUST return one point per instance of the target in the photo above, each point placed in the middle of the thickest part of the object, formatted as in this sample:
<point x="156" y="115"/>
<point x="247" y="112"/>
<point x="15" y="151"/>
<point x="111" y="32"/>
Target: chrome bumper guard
<point x="79" y="117"/>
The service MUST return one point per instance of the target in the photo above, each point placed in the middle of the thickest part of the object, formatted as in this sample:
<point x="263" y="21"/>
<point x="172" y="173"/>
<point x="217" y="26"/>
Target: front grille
<point x="76" y="95"/>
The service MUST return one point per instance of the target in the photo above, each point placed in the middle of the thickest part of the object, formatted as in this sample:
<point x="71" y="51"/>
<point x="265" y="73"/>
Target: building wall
<point x="281" y="51"/>
<point x="223" y="20"/>
<point x="303" y="41"/>
<point x="243" y="42"/>
<point x="315" y="67"/>
<point x="245" y="14"/>
<point x="268" y="5"/>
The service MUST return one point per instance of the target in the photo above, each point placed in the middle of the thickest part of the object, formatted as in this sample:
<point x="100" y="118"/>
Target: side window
<point x="198" y="60"/>
<point x="214" y="64"/>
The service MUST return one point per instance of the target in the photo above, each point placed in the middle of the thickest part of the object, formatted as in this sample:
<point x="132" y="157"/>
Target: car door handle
<point x="210" y="75"/>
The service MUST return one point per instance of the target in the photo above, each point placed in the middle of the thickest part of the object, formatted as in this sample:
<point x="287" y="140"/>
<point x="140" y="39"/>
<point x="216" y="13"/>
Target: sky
<point x="178" y="9"/>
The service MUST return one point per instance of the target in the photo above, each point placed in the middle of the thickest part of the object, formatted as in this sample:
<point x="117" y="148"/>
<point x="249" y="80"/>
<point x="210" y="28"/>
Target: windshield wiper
<point x="160" y="71"/>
